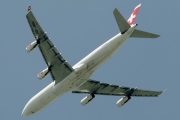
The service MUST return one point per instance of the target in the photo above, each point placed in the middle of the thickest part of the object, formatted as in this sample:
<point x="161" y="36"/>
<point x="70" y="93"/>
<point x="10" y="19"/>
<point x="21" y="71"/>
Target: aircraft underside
<point x="77" y="78"/>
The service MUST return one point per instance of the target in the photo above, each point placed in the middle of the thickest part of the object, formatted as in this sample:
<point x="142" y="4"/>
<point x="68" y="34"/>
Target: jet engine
<point x="31" y="46"/>
<point x="43" y="74"/>
<point x="87" y="99"/>
<point x="122" y="101"/>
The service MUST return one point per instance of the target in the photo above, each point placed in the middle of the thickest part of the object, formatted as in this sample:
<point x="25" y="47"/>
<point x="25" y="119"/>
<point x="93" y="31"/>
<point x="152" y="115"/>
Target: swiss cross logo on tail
<point x="132" y="18"/>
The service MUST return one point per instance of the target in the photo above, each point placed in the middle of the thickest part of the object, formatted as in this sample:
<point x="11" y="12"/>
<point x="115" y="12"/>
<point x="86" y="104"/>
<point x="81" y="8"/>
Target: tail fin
<point x="122" y="23"/>
<point x="132" y="18"/>
<point x="125" y="25"/>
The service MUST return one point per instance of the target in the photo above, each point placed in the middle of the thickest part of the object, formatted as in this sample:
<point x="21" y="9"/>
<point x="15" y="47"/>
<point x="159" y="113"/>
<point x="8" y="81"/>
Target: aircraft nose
<point x="24" y="113"/>
<point x="27" y="111"/>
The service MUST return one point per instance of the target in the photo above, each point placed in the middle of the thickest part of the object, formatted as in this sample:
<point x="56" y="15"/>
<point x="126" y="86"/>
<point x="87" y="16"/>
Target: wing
<point x="96" y="87"/>
<point x="59" y="67"/>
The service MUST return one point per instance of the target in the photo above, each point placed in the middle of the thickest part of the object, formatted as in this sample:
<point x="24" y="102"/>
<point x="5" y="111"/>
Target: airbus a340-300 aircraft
<point x="77" y="78"/>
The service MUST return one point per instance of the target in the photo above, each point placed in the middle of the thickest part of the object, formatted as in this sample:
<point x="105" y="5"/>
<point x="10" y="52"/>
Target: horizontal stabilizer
<point x="143" y="34"/>
<point x="122" y="23"/>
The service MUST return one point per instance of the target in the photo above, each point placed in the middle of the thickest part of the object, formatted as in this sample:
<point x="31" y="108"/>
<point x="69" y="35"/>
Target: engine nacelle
<point x="31" y="46"/>
<point x="87" y="99"/>
<point x="122" y="101"/>
<point x="43" y="74"/>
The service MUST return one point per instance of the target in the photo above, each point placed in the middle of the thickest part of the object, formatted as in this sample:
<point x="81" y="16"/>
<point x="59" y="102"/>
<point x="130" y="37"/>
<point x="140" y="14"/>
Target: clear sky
<point x="77" y="27"/>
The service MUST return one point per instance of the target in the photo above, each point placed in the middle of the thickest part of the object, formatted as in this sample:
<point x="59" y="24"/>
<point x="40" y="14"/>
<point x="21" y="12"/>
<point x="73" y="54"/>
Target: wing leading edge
<point x="59" y="67"/>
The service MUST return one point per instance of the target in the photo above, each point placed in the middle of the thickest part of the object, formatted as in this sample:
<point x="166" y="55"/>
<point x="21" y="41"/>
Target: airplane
<point x="76" y="79"/>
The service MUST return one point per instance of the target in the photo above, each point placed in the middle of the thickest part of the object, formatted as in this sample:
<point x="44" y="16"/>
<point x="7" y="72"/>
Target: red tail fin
<point x="132" y="18"/>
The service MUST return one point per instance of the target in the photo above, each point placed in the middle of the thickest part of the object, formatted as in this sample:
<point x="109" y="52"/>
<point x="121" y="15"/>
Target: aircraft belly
<point x="71" y="82"/>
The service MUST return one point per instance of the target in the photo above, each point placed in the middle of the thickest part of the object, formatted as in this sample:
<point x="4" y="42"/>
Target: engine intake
<point x="87" y="99"/>
<point x="31" y="46"/>
<point x="122" y="101"/>
<point x="43" y="73"/>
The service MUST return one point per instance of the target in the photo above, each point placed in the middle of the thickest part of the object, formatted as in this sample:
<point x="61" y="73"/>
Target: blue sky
<point x="77" y="28"/>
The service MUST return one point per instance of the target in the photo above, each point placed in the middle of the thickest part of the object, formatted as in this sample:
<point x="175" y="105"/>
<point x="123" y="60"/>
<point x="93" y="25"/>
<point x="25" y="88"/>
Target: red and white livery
<point x="66" y="78"/>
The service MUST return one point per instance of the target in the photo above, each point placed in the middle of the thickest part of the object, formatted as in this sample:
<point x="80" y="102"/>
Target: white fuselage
<point x="82" y="72"/>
